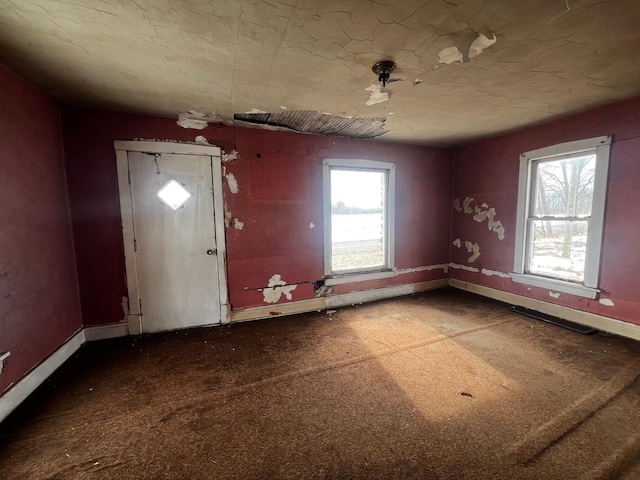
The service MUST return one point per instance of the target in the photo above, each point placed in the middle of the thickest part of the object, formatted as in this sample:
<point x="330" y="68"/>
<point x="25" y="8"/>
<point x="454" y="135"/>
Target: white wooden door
<point x="175" y="244"/>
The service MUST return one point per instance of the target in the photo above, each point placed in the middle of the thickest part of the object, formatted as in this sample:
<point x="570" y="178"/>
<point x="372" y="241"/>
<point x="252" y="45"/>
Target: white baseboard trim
<point x="27" y="385"/>
<point x="103" y="332"/>
<point x="333" y="301"/>
<point x="599" y="322"/>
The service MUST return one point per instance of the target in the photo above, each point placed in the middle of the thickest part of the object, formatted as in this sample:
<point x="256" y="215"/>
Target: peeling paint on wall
<point x="607" y="302"/>
<point x="480" y="43"/>
<point x="237" y="224"/>
<point x="457" y="266"/>
<point x="467" y="205"/>
<point x="456" y="205"/>
<point x="311" y="225"/>
<point x="232" y="182"/>
<point x="450" y="55"/>
<point x="202" y="139"/>
<point x="376" y="95"/>
<point x="490" y="273"/>
<point x="228" y="217"/>
<point x="472" y="247"/>
<point x="277" y="288"/>
<point x="443" y="266"/>
<point x="457" y="243"/>
<point x="554" y="294"/>
<point x="227" y="157"/>
<point x="494" y="225"/>
<point x="197" y="120"/>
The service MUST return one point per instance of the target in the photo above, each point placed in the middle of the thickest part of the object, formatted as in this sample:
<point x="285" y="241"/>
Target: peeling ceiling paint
<point x="161" y="57"/>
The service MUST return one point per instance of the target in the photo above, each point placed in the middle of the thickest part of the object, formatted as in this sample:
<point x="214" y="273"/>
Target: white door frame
<point x="134" y="315"/>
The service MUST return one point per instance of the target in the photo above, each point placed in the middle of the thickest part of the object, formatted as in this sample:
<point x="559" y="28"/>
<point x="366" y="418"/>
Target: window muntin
<point x="561" y="200"/>
<point x="358" y="216"/>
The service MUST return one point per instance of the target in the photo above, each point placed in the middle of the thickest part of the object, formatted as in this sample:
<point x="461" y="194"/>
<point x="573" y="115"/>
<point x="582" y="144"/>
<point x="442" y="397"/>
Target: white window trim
<point x="361" y="275"/>
<point x="589" y="288"/>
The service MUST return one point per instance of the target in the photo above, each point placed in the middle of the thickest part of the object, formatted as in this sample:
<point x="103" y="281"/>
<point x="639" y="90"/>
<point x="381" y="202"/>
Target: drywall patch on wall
<point x="489" y="214"/>
<point x="607" y="302"/>
<point x="456" y="205"/>
<point x="480" y="43"/>
<point x="277" y="288"/>
<point x="376" y="95"/>
<point x="472" y="247"/>
<point x="237" y="224"/>
<point x="232" y="182"/>
<point x="490" y="273"/>
<point x="202" y="139"/>
<point x="311" y="226"/>
<point x="450" y="55"/>
<point x="554" y="294"/>
<point x="197" y="120"/>
<point x="457" y="243"/>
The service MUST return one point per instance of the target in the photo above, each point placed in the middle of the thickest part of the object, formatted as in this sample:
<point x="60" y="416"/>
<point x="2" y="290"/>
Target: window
<point x="561" y="196"/>
<point x="358" y="220"/>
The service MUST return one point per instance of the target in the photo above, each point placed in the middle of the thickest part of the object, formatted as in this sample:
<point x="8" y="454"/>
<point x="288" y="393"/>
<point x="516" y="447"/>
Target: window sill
<point x="555" y="285"/>
<point x="357" y="277"/>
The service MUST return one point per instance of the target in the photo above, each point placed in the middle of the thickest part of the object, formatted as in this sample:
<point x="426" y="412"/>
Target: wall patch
<point x="277" y="288"/>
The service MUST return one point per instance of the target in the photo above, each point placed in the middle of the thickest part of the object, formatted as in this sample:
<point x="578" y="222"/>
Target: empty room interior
<point x="319" y="239"/>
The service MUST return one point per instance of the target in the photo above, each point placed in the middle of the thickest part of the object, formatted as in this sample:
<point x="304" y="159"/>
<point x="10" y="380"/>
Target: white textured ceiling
<point x="551" y="57"/>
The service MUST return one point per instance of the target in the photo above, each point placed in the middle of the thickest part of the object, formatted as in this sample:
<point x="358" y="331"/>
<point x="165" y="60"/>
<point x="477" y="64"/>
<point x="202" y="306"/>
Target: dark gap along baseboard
<point x="561" y="322"/>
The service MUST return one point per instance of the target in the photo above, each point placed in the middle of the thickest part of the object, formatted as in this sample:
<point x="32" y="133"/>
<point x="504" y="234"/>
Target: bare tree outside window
<point x="560" y="216"/>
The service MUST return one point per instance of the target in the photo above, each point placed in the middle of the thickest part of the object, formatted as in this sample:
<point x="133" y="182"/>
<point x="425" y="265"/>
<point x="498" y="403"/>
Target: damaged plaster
<point x="237" y="224"/>
<point x="490" y="273"/>
<point x="453" y="54"/>
<point x="277" y="288"/>
<point x="472" y="247"/>
<point x="197" y="120"/>
<point x="457" y="243"/>
<point x="227" y="157"/>
<point x="554" y="294"/>
<point x="232" y="182"/>
<point x="309" y="121"/>
<point x="376" y="94"/>
<point x="481" y="213"/>
<point x="607" y="302"/>
<point x="480" y="43"/>
<point x="450" y="55"/>
<point x="312" y="226"/>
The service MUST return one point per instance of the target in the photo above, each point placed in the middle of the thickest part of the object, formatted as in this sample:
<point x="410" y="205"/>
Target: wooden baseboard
<point x="599" y="322"/>
<point x="333" y="301"/>
<point x="27" y="385"/>
<point x="103" y="332"/>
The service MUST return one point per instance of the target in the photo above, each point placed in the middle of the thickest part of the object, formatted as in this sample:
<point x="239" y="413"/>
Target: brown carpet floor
<point x="443" y="384"/>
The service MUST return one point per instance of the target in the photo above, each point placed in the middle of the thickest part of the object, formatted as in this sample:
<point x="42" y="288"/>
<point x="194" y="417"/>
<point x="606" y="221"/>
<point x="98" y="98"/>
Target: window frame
<point x="386" y="271"/>
<point x="526" y="188"/>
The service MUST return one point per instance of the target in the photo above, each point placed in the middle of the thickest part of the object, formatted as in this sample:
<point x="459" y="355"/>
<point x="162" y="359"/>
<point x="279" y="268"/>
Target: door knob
<point x="210" y="252"/>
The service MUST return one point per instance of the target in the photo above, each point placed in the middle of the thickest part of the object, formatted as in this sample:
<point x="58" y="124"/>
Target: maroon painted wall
<point x="39" y="302"/>
<point x="488" y="172"/>
<point x="280" y="194"/>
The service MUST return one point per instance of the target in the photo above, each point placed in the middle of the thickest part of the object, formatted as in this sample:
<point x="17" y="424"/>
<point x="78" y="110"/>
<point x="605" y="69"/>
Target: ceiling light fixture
<point x="383" y="69"/>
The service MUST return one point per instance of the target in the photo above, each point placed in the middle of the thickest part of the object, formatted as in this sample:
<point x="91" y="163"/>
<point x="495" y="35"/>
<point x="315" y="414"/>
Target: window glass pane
<point x="558" y="249"/>
<point x="564" y="188"/>
<point x="357" y="219"/>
